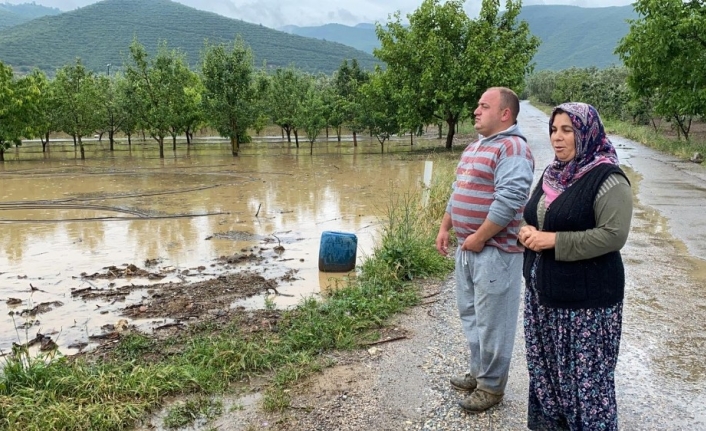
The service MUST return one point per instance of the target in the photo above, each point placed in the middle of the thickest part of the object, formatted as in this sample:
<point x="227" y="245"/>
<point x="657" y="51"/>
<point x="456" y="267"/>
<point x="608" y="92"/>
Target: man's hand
<point x="442" y="242"/>
<point x="473" y="243"/>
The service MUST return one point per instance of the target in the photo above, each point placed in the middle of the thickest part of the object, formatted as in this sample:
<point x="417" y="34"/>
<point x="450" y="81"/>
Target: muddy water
<point x="61" y="218"/>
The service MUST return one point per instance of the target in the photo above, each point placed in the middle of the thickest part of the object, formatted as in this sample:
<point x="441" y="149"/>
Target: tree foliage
<point x="78" y="95"/>
<point x="157" y="87"/>
<point x="665" y="52"/>
<point x="18" y="97"/>
<point x="380" y="106"/>
<point x="444" y="61"/>
<point x="288" y="87"/>
<point x="229" y="90"/>
<point x="350" y="105"/>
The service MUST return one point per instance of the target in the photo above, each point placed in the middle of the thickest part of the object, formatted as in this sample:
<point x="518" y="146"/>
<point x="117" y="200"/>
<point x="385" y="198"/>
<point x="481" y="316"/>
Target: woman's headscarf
<point x="592" y="149"/>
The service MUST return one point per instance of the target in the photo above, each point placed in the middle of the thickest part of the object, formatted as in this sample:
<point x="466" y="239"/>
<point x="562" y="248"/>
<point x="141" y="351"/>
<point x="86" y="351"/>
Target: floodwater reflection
<point x="62" y="218"/>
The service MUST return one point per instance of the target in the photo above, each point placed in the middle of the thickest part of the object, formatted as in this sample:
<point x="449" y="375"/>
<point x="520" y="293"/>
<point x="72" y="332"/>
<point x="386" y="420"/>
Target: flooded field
<point x="120" y="221"/>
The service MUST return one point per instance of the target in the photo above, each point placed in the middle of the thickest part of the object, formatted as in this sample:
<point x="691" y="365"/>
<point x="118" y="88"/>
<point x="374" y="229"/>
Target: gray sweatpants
<point x="488" y="288"/>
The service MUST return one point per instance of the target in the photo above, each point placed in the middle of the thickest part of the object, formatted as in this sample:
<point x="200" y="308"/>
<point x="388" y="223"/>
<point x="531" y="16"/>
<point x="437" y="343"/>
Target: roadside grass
<point x="645" y="135"/>
<point x="116" y="389"/>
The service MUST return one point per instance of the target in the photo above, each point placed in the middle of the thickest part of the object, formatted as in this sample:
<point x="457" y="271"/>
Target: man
<point x="493" y="181"/>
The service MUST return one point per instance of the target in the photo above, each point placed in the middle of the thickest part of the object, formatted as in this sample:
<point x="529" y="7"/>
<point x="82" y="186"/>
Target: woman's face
<point x="562" y="137"/>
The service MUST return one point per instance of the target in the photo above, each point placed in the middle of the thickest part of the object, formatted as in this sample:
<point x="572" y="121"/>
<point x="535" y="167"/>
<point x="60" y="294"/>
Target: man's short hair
<point x="509" y="100"/>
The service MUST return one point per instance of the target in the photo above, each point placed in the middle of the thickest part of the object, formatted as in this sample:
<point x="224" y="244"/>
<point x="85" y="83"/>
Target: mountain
<point x="575" y="36"/>
<point x="571" y="35"/>
<point x="101" y="33"/>
<point x="16" y="14"/>
<point x="360" y="37"/>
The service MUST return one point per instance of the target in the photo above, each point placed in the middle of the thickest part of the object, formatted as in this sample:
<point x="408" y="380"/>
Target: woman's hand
<point x="525" y="232"/>
<point x="537" y="240"/>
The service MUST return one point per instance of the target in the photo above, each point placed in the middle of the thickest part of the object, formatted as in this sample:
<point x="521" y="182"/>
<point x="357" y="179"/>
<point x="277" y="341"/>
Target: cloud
<point x="278" y="13"/>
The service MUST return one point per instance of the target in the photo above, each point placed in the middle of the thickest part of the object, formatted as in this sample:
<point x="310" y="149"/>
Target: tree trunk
<point x="83" y="152"/>
<point x="441" y="132"/>
<point x="338" y="133"/>
<point x="355" y="139"/>
<point x="452" y="130"/>
<point x="111" y="136"/>
<point x="188" y="138"/>
<point x="235" y="145"/>
<point x="2" y="154"/>
<point x="45" y="142"/>
<point x="160" y="140"/>
<point x="327" y="133"/>
<point x="174" y="142"/>
<point x="311" y="148"/>
<point x="75" y="142"/>
<point x="281" y="129"/>
<point x="411" y="139"/>
<point x="296" y="137"/>
<point x="289" y="134"/>
<point x="129" y="139"/>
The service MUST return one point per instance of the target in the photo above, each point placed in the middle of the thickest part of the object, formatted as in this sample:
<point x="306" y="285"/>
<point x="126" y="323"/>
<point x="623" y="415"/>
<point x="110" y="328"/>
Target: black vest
<point x="590" y="283"/>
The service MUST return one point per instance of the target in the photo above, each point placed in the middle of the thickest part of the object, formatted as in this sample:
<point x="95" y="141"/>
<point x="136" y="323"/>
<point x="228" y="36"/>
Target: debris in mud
<point x="107" y="336"/>
<point x="258" y="320"/>
<point x="45" y="343"/>
<point x="235" y="236"/>
<point x="289" y="275"/>
<point x="120" y="326"/>
<point x="44" y="307"/>
<point x="239" y="258"/>
<point x="94" y="293"/>
<point x="186" y="301"/>
<point x="152" y="262"/>
<point x="279" y="249"/>
<point x="13" y="301"/>
<point x="78" y="346"/>
<point x="131" y="270"/>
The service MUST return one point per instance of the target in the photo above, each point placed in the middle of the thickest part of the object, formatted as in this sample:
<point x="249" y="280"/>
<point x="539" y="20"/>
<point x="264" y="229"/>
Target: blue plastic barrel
<point x="337" y="251"/>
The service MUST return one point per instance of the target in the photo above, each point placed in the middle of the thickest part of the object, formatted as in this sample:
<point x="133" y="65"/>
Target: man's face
<point x="489" y="115"/>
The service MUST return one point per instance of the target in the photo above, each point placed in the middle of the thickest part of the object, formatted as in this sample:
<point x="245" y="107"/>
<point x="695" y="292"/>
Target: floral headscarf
<point x="592" y="149"/>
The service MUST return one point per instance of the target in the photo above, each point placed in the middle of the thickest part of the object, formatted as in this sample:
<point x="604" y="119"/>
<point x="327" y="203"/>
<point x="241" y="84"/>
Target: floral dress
<point x="571" y="357"/>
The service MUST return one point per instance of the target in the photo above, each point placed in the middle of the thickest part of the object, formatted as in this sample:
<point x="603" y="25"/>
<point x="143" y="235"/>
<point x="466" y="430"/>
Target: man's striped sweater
<point x="493" y="181"/>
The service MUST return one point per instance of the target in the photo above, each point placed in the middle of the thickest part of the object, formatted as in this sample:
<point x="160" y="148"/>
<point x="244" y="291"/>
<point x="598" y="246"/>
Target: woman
<point x="577" y="220"/>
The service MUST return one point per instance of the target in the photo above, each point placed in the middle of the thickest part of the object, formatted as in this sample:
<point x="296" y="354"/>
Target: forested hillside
<point x="101" y="33"/>
<point x="15" y="14"/>
<point x="571" y="35"/>
<point x="574" y="36"/>
<point x="361" y="37"/>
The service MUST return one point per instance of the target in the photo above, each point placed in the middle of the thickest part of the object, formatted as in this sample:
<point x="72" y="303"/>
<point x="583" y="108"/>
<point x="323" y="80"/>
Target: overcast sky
<point x="277" y="13"/>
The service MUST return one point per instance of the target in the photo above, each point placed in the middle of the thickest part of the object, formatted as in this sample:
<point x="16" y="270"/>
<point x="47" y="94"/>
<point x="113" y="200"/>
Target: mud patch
<point x="185" y="301"/>
<point x="235" y="236"/>
<point x="131" y="270"/>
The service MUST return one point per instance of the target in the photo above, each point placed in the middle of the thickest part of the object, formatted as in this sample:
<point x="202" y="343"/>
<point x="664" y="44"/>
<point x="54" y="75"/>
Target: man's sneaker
<point x="480" y="401"/>
<point x="465" y="383"/>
